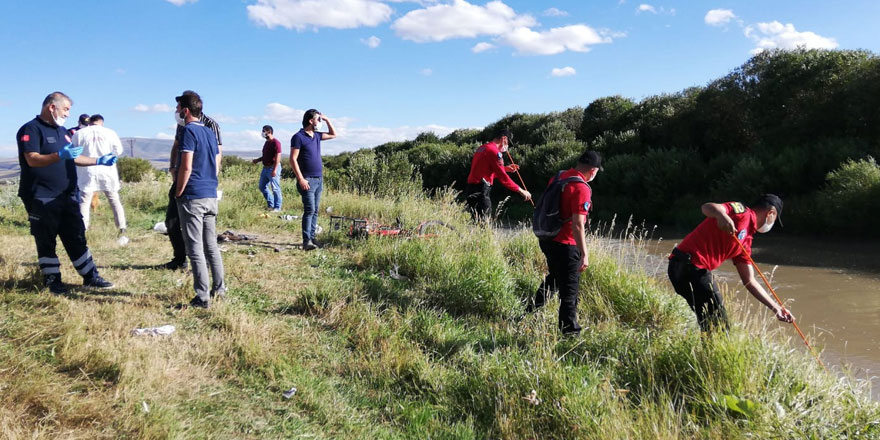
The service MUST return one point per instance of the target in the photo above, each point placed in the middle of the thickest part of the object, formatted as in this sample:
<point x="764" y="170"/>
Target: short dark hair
<point x="84" y="119"/>
<point x="503" y="132"/>
<point x="192" y="102"/>
<point x="95" y="117"/>
<point x="268" y="129"/>
<point x="310" y="113"/>
<point x="55" y="98"/>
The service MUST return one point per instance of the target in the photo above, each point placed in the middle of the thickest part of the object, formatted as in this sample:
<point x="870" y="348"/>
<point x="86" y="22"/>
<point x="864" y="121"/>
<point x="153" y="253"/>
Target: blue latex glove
<point x="107" y="159"/>
<point x="69" y="151"/>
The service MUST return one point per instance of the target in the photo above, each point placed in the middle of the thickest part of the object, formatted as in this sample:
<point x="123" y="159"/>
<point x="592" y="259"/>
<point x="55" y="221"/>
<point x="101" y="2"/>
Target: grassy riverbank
<point x="439" y="354"/>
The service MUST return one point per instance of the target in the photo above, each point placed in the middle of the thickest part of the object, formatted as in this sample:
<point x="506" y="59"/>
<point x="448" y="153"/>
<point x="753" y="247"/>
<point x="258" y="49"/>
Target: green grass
<point x="440" y="354"/>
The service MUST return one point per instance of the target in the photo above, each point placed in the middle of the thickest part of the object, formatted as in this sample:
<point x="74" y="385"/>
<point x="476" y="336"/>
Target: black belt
<point x="679" y="255"/>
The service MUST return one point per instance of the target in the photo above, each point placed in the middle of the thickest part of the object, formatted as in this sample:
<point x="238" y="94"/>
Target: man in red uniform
<point x="485" y="166"/>
<point x="713" y="242"/>
<point x="567" y="252"/>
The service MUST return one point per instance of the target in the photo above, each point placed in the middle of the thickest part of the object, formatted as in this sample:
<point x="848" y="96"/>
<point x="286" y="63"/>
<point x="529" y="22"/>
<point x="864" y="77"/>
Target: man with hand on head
<point x="713" y="242"/>
<point x="305" y="159"/>
<point x="196" y="193"/>
<point x="48" y="189"/>
<point x="97" y="141"/>
<point x="487" y="164"/>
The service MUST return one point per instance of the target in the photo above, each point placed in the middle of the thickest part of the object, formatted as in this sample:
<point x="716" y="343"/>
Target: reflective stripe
<point x="85" y="257"/>
<point x="50" y="270"/>
<point x="89" y="267"/>
<point x="48" y="260"/>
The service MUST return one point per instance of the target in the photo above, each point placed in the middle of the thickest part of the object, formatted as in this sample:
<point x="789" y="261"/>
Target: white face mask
<point x="180" y="121"/>
<point x="768" y="225"/>
<point x="58" y="121"/>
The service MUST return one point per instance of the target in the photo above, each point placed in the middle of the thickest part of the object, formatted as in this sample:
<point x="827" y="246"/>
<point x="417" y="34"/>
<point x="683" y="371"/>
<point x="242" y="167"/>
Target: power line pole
<point x="131" y="144"/>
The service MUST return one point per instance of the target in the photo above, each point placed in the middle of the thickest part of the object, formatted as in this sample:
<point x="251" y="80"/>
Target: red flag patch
<point x="26" y="138"/>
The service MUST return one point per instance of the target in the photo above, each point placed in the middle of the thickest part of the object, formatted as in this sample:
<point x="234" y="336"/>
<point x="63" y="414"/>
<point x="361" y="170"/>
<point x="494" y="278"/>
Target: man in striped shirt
<point x="172" y="219"/>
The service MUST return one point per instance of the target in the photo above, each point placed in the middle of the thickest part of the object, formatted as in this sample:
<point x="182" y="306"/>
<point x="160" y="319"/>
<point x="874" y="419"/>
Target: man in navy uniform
<point x="50" y="195"/>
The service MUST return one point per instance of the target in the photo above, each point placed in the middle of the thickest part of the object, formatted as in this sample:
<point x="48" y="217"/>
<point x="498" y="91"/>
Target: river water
<point x="831" y="286"/>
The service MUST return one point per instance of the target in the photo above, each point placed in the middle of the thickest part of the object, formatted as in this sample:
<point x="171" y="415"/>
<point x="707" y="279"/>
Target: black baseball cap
<point x="591" y="158"/>
<point x="768" y="201"/>
<point x="84" y="119"/>
<point x="185" y="92"/>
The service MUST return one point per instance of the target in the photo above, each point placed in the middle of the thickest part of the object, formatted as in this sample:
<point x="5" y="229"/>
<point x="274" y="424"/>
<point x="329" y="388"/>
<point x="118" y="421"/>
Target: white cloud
<point x="482" y="47"/>
<point x="119" y="71"/>
<point x="426" y="72"/>
<point x="180" y="2"/>
<point x="164" y="136"/>
<point x="372" y="42"/>
<point x="775" y="35"/>
<point x="459" y="19"/>
<point x="576" y="38"/>
<point x="277" y="112"/>
<point x="646" y="8"/>
<point x="305" y="14"/>
<point x="719" y="17"/>
<point x="563" y="71"/>
<point x="554" y="12"/>
<point x="155" y="108"/>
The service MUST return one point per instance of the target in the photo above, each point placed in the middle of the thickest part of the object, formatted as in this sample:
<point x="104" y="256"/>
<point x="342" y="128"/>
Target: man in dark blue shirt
<point x="196" y="191"/>
<point x="172" y="219"/>
<point x="305" y="159"/>
<point x="50" y="195"/>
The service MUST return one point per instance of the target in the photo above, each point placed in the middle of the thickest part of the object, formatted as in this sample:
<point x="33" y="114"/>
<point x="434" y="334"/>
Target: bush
<point x="134" y="169"/>
<point x="852" y="188"/>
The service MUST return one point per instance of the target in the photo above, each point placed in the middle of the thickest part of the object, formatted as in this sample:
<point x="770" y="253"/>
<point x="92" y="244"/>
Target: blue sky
<point x="384" y="69"/>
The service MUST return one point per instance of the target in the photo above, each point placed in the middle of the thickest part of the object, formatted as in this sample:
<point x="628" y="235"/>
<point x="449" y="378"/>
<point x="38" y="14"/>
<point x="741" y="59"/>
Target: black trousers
<point x="698" y="288"/>
<point x="563" y="260"/>
<point x="478" y="200"/>
<point x="61" y="218"/>
<point x="172" y="224"/>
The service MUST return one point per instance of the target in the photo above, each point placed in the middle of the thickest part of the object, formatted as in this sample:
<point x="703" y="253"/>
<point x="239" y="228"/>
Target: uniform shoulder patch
<point x="587" y="206"/>
<point x="499" y="155"/>
<point x="742" y="235"/>
<point x="737" y="207"/>
<point x="26" y="138"/>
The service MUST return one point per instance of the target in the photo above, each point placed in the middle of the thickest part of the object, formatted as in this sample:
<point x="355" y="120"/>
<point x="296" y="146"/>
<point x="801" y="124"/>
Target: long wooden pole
<point x="518" y="175"/>
<point x="775" y="296"/>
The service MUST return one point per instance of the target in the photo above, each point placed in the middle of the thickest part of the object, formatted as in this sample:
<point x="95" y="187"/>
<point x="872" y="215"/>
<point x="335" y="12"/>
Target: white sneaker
<point x="122" y="241"/>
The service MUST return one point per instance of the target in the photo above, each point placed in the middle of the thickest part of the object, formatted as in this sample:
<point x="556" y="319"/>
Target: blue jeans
<point x="311" y="200"/>
<point x="271" y="187"/>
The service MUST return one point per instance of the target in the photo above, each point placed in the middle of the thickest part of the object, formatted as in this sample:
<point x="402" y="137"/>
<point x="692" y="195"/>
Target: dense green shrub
<point x="135" y="169"/>
<point x="779" y="123"/>
<point x="851" y="201"/>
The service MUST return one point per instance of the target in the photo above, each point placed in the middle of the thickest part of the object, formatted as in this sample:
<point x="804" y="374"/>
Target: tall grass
<point x="436" y="351"/>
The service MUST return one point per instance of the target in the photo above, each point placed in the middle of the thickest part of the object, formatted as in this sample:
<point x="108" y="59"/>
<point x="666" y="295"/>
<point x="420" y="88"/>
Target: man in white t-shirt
<point x="97" y="141"/>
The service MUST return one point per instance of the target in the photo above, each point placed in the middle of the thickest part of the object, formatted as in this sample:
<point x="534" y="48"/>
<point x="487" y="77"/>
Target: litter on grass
<point x="153" y="331"/>
<point x="289" y="393"/>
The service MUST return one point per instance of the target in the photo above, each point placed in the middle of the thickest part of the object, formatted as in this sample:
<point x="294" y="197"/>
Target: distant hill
<point x="154" y="150"/>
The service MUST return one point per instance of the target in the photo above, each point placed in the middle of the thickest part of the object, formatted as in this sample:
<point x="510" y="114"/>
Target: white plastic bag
<point x="153" y="331"/>
<point x="160" y="227"/>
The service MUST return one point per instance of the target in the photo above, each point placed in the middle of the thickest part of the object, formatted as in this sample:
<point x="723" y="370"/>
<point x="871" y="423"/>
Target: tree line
<point x="804" y="124"/>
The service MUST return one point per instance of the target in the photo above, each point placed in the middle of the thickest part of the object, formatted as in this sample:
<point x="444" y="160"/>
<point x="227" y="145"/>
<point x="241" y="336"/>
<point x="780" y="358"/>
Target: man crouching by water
<point x="713" y="242"/>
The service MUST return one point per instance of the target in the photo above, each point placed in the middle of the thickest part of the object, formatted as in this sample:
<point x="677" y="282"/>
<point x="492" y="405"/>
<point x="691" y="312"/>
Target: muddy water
<point x="832" y="288"/>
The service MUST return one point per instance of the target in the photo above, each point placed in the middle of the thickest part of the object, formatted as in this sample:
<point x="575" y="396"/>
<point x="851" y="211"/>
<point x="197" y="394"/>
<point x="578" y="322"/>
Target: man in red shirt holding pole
<point x="713" y="242"/>
<point x="486" y="164"/>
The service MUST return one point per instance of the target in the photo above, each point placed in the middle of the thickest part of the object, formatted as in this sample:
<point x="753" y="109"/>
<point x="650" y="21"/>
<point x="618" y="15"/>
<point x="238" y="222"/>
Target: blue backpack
<point x="546" y="221"/>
